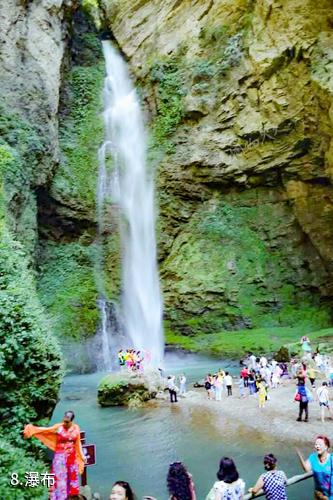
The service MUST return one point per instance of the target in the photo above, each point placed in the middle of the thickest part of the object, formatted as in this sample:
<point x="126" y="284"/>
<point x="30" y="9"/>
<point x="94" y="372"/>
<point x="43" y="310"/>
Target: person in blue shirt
<point x="320" y="463"/>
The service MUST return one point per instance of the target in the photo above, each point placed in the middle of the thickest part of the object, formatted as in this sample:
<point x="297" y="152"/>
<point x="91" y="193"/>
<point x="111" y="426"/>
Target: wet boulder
<point x="129" y="388"/>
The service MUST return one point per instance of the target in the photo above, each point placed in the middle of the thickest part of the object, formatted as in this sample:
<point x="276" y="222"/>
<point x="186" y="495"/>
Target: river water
<point x="138" y="445"/>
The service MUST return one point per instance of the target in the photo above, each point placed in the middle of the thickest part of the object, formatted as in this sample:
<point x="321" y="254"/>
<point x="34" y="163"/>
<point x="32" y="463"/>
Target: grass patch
<point x="237" y="343"/>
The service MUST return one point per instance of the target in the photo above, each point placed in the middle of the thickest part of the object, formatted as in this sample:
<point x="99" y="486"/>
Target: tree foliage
<point x="29" y="356"/>
<point x="15" y="461"/>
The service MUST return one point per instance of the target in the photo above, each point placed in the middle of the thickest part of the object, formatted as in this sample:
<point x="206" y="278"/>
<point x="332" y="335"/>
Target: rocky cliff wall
<point x="34" y="37"/>
<point x="238" y="101"/>
<point x="33" y="41"/>
<point x="239" y="98"/>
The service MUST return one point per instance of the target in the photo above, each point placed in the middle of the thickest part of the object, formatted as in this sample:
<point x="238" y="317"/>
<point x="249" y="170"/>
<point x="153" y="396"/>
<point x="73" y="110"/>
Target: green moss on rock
<point x="81" y="130"/>
<point x="22" y="148"/>
<point x="68" y="290"/>
<point x="168" y="76"/>
<point x="30" y="359"/>
<point x="124" y="388"/>
<point x="230" y="268"/>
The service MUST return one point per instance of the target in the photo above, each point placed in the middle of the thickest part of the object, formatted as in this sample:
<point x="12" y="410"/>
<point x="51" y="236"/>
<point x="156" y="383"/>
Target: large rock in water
<point x="128" y="388"/>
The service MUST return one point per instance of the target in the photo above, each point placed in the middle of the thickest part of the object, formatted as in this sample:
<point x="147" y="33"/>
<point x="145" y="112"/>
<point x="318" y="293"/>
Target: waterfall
<point x="105" y="334"/>
<point x="130" y="187"/>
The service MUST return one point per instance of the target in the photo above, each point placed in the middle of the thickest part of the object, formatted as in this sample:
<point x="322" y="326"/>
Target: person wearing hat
<point x="273" y="481"/>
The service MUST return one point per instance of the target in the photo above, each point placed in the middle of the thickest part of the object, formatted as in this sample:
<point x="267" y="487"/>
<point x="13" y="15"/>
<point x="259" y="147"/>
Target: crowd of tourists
<point x="229" y="486"/>
<point x="257" y="377"/>
<point x="133" y="360"/>
<point x="68" y="462"/>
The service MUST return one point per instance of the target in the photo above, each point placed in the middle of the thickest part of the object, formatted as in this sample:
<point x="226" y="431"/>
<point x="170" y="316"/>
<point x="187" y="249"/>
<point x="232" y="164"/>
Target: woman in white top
<point x="323" y="398"/>
<point x="182" y="384"/>
<point x="229" y="486"/>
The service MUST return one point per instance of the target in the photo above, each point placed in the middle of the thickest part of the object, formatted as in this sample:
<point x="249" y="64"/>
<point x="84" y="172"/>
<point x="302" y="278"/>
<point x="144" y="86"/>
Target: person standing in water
<point x="182" y="385"/>
<point x="172" y="389"/>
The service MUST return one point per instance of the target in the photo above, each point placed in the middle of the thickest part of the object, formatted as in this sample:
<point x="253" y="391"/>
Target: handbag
<point x="297" y="397"/>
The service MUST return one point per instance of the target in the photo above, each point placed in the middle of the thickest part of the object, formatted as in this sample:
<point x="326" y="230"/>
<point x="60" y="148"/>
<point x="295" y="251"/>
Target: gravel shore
<point x="277" y="419"/>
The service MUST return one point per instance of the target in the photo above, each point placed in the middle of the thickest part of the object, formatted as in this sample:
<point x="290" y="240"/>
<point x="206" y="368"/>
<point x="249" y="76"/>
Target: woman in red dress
<point x="68" y="460"/>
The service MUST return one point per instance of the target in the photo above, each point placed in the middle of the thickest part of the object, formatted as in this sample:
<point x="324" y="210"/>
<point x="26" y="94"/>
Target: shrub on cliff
<point x="168" y="77"/>
<point x="282" y="356"/>
<point x="30" y="364"/>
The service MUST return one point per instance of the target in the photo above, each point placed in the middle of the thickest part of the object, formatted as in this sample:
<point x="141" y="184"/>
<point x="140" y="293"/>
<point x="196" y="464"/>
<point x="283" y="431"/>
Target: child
<point x="262" y="393"/>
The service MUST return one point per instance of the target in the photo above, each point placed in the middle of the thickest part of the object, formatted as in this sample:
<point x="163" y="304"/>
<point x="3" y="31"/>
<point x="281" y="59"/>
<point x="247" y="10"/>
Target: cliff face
<point x="34" y="36"/>
<point x="238" y="100"/>
<point x="239" y="95"/>
<point x="33" y="41"/>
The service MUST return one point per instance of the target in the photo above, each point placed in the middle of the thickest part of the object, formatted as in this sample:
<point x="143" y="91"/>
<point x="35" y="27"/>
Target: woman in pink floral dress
<point x="68" y="460"/>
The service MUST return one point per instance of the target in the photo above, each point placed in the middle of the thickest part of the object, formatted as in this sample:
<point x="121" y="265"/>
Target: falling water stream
<point x="105" y="331"/>
<point x="129" y="186"/>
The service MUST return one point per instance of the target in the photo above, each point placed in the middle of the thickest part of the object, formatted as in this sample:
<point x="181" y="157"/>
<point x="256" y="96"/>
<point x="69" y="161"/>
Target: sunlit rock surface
<point x="240" y="93"/>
